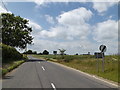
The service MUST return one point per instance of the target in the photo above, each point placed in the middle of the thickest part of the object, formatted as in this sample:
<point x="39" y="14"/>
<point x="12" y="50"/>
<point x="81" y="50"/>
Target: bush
<point x="9" y="54"/>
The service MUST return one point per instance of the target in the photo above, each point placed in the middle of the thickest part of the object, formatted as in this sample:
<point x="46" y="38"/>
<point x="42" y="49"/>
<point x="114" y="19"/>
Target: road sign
<point x="103" y="48"/>
<point x="98" y="55"/>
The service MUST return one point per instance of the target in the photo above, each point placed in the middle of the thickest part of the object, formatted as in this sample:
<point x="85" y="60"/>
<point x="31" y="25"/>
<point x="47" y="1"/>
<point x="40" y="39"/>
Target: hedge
<point x="10" y="54"/>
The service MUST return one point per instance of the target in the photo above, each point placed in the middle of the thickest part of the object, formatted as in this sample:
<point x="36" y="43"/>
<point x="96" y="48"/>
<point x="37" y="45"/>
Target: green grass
<point x="7" y="67"/>
<point x="87" y="63"/>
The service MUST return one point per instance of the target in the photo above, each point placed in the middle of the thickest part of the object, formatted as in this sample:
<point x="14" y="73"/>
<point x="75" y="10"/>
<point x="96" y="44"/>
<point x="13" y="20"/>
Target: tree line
<point x="45" y="52"/>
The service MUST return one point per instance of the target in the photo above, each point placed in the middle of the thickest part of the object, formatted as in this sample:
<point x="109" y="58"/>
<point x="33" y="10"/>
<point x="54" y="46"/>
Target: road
<point x="37" y="73"/>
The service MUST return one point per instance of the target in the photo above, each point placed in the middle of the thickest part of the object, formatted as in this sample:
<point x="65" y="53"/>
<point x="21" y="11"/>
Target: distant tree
<point x="45" y="52"/>
<point x="29" y="52"/>
<point x="76" y="54"/>
<point x="40" y="54"/>
<point x="35" y="52"/>
<point x="55" y="52"/>
<point x="15" y="31"/>
<point x="62" y="52"/>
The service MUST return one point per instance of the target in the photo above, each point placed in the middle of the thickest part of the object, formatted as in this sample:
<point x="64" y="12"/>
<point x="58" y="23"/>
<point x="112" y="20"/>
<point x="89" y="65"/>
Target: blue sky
<point x="28" y="10"/>
<point x="75" y="26"/>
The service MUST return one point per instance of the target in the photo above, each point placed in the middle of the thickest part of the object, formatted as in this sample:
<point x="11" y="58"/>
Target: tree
<point x="45" y="52"/>
<point x="28" y="52"/>
<point x="35" y="52"/>
<point x="55" y="52"/>
<point x="40" y="54"/>
<point x="76" y="54"/>
<point x="62" y="52"/>
<point x="15" y="31"/>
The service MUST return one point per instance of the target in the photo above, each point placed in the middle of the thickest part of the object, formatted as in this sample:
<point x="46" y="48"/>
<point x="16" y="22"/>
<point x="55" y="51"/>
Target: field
<point x="89" y="64"/>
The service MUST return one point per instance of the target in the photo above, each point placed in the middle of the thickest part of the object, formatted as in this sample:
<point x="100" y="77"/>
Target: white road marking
<point x="53" y="86"/>
<point x="38" y="62"/>
<point x="43" y="68"/>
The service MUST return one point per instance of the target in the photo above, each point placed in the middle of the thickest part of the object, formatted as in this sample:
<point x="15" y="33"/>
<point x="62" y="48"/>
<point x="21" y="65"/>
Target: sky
<point x="77" y="27"/>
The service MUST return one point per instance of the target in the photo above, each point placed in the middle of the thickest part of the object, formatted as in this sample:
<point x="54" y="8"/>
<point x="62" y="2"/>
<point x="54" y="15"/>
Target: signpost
<point x="103" y="49"/>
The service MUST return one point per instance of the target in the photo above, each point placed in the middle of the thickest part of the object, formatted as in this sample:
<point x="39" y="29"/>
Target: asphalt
<point x="36" y="73"/>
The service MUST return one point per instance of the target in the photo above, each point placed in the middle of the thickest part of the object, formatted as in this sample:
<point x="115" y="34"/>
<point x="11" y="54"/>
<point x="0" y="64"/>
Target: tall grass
<point x="88" y="63"/>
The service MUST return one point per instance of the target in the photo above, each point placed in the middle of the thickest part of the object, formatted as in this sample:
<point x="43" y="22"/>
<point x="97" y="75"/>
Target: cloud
<point x="3" y="10"/>
<point x="70" y="47"/>
<point x="71" y="25"/>
<point x="106" y="31"/>
<point x="49" y="19"/>
<point x="34" y="25"/>
<point x="102" y="6"/>
<point x="80" y="16"/>
<point x="36" y="28"/>
<point x="71" y="33"/>
<point x="60" y="1"/>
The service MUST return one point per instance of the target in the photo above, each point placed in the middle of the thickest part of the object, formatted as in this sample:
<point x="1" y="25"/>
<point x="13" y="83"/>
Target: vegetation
<point x="30" y="52"/>
<point x="10" y="54"/>
<point x="55" y="52"/>
<point x="11" y="58"/>
<point x="15" y="31"/>
<point x="62" y="51"/>
<point x="45" y="52"/>
<point x="88" y="63"/>
<point x="10" y="66"/>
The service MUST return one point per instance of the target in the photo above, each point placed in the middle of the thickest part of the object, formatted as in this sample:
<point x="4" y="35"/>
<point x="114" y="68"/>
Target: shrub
<point x="9" y="54"/>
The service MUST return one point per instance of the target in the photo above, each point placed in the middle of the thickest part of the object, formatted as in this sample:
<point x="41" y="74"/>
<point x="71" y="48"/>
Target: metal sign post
<point x="103" y="49"/>
<point x="103" y="62"/>
<point x="98" y="55"/>
<point x="97" y="64"/>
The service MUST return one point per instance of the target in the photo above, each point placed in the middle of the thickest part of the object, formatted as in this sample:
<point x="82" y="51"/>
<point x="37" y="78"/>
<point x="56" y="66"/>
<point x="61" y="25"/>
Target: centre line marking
<point x="53" y="86"/>
<point x="43" y="68"/>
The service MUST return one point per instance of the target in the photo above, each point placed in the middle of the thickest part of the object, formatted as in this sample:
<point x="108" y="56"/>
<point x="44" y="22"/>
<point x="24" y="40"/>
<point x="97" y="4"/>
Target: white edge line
<point x="53" y="86"/>
<point x="88" y="74"/>
<point x="43" y="68"/>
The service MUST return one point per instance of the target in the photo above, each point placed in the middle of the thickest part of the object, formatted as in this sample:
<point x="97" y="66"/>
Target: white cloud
<point x="71" y="25"/>
<point x="71" y="33"/>
<point x="79" y="15"/>
<point x="36" y="29"/>
<point x="49" y="19"/>
<point x="102" y="6"/>
<point x="3" y="10"/>
<point x="35" y="25"/>
<point x="71" y="47"/>
<point x="106" y="31"/>
<point x="39" y="2"/>
<point x="61" y="0"/>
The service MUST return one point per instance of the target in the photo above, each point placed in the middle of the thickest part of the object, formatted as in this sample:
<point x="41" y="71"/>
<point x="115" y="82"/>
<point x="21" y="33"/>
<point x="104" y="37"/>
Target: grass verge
<point x="88" y="64"/>
<point x="10" y="66"/>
